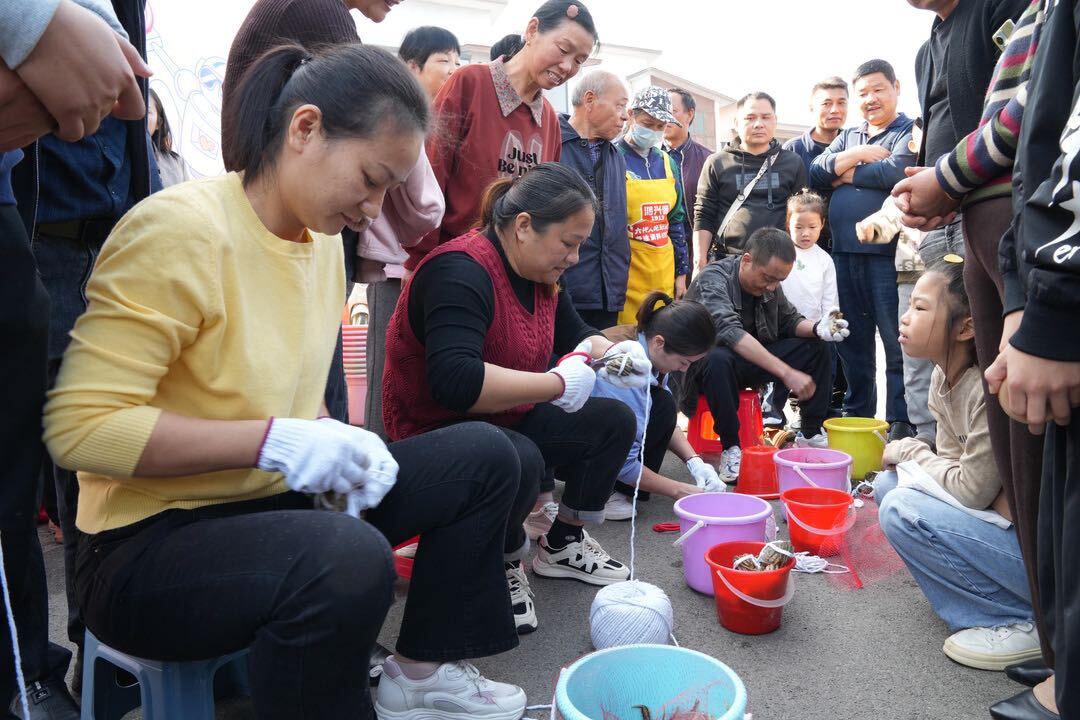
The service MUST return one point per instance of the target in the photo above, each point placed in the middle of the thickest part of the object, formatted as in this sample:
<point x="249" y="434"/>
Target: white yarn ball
<point x="628" y="613"/>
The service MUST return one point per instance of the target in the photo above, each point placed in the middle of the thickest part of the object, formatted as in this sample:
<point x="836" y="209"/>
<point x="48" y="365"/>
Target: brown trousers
<point x="1018" y="453"/>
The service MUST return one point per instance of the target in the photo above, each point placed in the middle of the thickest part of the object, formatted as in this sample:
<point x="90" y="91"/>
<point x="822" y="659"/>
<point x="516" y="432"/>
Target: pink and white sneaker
<point x="456" y="691"/>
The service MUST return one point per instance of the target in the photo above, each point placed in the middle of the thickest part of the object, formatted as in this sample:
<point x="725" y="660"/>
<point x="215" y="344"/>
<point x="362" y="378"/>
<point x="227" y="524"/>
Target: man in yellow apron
<point x="654" y="204"/>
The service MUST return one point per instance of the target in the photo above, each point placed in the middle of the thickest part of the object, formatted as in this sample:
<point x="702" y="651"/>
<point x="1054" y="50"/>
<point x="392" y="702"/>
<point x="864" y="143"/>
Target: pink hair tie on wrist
<point x="571" y="11"/>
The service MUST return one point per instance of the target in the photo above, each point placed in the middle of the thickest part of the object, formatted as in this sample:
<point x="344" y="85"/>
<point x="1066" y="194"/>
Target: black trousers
<point x="308" y="590"/>
<point x="586" y="449"/>
<point x="1017" y="453"/>
<point x="1058" y="570"/>
<point x="726" y="372"/>
<point x="600" y="319"/>
<point x="24" y="320"/>
<point x="658" y="430"/>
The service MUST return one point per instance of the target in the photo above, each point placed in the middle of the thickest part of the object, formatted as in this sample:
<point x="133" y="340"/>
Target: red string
<point x="666" y="527"/>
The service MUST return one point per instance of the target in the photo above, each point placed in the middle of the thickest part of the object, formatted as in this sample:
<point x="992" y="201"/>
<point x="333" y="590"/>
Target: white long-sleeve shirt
<point x="811" y="286"/>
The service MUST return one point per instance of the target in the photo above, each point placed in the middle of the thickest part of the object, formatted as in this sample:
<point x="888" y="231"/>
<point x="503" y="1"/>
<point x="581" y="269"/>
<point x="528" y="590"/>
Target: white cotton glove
<point x="325" y="455"/>
<point x="639" y="377"/>
<point x="705" y="475"/>
<point x="378" y="480"/>
<point x="578" y="380"/>
<point x="832" y="327"/>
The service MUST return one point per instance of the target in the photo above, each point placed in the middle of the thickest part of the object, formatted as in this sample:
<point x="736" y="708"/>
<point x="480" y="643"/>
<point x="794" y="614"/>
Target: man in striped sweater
<point x="977" y="178"/>
<point x="953" y="69"/>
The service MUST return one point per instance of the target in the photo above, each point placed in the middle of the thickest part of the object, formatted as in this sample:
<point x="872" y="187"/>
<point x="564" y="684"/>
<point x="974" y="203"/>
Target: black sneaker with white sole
<point x="48" y="700"/>
<point x="521" y="598"/>
<point x="584" y="560"/>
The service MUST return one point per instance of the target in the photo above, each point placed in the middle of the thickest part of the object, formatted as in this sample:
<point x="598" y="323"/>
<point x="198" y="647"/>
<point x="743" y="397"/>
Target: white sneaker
<point x="730" y="461"/>
<point x="994" y="648"/>
<point x="619" y="507"/>
<point x="456" y="691"/>
<point x="539" y="522"/>
<point x="521" y="598"/>
<point x="821" y="440"/>
<point x="585" y="561"/>
<point x="407" y="551"/>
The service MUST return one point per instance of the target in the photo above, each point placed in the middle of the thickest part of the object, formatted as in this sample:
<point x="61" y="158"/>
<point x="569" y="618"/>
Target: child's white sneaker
<point x="994" y="648"/>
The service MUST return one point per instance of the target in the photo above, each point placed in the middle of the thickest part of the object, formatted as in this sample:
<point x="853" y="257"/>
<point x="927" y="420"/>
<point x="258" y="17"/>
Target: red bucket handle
<point x="848" y="524"/>
<point x="789" y="593"/>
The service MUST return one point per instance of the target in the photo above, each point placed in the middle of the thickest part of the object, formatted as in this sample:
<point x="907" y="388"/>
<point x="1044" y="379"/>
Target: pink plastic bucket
<point x="709" y="519"/>
<point x="813" y="467"/>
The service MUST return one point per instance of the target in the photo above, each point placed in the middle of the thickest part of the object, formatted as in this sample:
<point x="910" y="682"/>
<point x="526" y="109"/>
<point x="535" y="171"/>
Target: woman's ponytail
<point x="495" y="192"/>
<point x="242" y="147"/>
<point x="549" y="193"/>
<point x="685" y="325"/>
<point x="648" y="309"/>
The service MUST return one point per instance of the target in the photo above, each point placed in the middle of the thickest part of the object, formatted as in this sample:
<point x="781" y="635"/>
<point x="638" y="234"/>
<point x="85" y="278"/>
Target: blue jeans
<point x="867" y="288"/>
<point x="65" y="265"/>
<point x="970" y="570"/>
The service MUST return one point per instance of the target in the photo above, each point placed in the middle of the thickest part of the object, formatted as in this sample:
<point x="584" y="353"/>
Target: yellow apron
<point x="652" y="257"/>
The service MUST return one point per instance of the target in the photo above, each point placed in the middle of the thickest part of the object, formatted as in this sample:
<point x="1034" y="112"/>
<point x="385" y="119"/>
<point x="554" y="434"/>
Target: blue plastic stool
<point x="165" y="690"/>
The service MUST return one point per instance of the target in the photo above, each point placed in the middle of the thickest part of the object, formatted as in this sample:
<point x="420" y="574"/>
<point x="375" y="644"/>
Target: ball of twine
<point x="629" y="613"/>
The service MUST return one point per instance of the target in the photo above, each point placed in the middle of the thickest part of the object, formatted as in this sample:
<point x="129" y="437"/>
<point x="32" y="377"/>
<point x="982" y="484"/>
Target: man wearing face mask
<point x="746" y="185"/>
<point x="597" y="283"/>
<point x="655" y="206"/>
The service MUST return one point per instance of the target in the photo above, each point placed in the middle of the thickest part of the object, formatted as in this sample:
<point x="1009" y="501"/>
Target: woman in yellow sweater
<point x="190" y="402"/>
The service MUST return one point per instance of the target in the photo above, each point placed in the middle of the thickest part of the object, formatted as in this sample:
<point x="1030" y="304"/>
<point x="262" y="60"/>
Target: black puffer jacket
<point x="1040" y="256"/>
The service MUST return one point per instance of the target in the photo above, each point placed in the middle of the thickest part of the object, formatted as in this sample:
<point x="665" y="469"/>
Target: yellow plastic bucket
<point x="862" y="438"/>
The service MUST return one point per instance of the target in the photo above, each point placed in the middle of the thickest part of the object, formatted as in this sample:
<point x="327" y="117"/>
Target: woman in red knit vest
<point x="471" y="339"/>
<point x="492" y="119"/>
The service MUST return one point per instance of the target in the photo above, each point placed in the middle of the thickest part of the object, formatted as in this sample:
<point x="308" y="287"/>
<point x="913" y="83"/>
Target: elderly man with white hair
<point x="597" y="283"/>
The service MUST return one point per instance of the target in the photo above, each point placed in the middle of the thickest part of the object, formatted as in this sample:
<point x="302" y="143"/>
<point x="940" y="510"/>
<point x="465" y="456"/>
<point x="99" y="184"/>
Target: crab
<point x="772" y="556"/>
<point x="620" y="365"/>
<point x="835" y="315"/>
<point x="691" y="714"/>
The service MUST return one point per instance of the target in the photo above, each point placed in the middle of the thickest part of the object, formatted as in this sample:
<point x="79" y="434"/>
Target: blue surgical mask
<point x="645" y="138"/>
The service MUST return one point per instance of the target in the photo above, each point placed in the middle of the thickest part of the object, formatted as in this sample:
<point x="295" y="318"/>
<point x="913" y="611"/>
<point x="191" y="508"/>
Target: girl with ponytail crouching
<point x="674" y="334"/>
<point x="472" y="338"/>
<point x="190" y="401"/>
<point x="960" y="545"/>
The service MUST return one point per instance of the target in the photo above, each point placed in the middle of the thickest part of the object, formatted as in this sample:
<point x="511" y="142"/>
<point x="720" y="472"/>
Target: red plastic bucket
<point x="818" y="518"/>
<point x="403" y="565"/>
<point x="751" y="423"/>
<point x="750" y="603"/>
<point x="703" y="437"/>
<point x="757" y="473"/>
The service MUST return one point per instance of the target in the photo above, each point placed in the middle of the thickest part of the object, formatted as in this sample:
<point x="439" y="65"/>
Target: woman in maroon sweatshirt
<point x="471" y="339"/>
<point x="493" y="120"/>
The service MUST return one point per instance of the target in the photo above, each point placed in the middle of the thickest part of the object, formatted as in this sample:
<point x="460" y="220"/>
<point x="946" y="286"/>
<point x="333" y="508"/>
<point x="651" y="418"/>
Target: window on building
<point x="697" y="128"/>
<point x="559" y="98"/>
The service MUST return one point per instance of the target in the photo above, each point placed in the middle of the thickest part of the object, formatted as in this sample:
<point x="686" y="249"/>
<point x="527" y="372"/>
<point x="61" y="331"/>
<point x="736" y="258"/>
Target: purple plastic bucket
<point x="709" y="519"/>
<point x="813" y="467"/>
